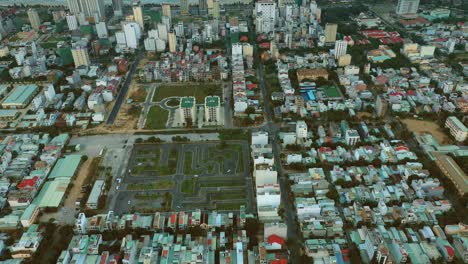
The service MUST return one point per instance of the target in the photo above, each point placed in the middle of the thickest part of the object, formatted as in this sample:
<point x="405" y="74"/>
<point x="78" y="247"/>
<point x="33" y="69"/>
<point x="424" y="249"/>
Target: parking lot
<point x="184" y="176"/>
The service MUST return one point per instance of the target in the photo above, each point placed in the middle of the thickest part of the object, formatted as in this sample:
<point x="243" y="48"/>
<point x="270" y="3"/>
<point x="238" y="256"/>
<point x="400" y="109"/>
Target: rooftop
<point x="66" y="167"/>
<point x="187" y="102"/>
<point x="212" y="101"/>
<point x="20" y="94"/>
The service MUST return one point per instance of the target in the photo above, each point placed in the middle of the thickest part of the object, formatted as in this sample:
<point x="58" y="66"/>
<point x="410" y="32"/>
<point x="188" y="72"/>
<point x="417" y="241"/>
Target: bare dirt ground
<point x="80" y="178"/>
<point x="421" y="126"/>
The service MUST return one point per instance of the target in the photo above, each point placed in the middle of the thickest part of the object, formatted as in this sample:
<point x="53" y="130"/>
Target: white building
<point x="301" y="129"/>
<point x="352" y="137"/>
<point x="407" y="7"/>
<point x="340" y="48"/>
<point x="457" y="129"/>
<point x="81" y="223"/>
<point x="120" y="38"/>
<point x="260" y="138"/>
<point x="150" y="44"/>
<point x="90" y="8"/>
<point x="49" y="92"/>
<point x="265" y="13"/>
<point x="132" y="34"/>
<point x="268" y="195"/>
<point x="212" y="109"/>
<point x="187" y="108"/>
<point x="162" y="31"/>
<point x="101" y="30"/>
<point x="265" y="175"/>
<point x="72" y="22"/>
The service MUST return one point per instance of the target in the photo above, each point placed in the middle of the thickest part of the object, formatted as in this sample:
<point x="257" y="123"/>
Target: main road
<point x="124" y="90"/>
<point x="289" y="211"/>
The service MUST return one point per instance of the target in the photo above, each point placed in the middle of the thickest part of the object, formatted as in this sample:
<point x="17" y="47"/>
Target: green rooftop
<point x="331" y="92"/>
<point x="65" y="167"/>
<point x="187" y="102"/>
<point x="212" y="101"/>
<point x="21" y="95"/>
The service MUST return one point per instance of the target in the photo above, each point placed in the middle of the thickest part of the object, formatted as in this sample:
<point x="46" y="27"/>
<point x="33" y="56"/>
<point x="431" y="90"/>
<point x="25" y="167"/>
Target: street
<point x="289" y="211"/>
<point x="123" y="91"/>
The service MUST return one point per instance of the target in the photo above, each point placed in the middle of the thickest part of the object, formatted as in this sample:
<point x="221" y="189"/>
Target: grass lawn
<point x="229" y="206"/>
<point x="187" y="186"/>
<point x="188" y="170"/>
<point x="200" y="91"/>
<point x="157" y="118"/>
<point x="173" y="102"/>
<point x="223" y="181"/>
<point x="147" y="196"/>
<point x="227" y="196"/>
<point x="164" y="184"/>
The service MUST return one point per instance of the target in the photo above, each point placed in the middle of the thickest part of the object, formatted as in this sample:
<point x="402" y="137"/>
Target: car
<point x="129" y="202"/>
<point x="117" y="187"/>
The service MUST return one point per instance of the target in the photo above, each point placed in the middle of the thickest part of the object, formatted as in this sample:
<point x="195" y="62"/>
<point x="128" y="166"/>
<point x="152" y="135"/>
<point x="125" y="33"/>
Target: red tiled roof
<point x="28" y="182"/>
<point x="275" y="239"/>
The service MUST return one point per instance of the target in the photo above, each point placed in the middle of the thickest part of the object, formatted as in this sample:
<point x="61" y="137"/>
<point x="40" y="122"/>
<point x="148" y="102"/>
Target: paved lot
<point x="220" y="178"/>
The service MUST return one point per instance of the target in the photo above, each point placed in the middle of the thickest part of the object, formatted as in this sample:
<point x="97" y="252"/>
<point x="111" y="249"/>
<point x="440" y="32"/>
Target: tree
<point x="252" y="226"/>
<point x="250" y="110"/>
<point x="333" y="194"/>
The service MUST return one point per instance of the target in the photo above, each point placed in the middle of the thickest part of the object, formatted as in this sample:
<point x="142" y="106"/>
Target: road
<point x="146" y="105"/>
<point x="289" y="211"/>
<point x="124" y="90"/>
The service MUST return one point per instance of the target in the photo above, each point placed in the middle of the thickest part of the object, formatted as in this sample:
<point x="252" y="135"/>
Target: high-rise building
<point x="184" y="7"/>
<point x="138" y="14"/>
<point x="150" y="44"/>
<point x="101" y="30"/>
<point x="34" y="19"/>
<point x="215" y="9"/>
<point x="72" y="22"/>
<point x="203" y="6"/>
<point x="162" y="31"/>
<point x="381" y="106"/>
<point x="120" y="38"/>
<point x="132" y="34"/>
<point x="265" y="13"/>
<point x="340" y="48"/>
<point x="407" y="7"/>
<point x="90" y="8"/>
<point x="212" y="109"/>
<point x="117" y="5"/>
<point x="74" y="6"/>
<point x="330" y="32"/>
<point x="166" y="10"/>
<point x="187" y="108"/>
<point x="172" y="41"/>
<point x="80" y="55"/>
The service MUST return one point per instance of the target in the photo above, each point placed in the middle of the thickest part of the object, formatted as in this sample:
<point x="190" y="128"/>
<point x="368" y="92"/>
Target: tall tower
<point x="184" y="7"/>
<point x="117" y="5"/>
<point x="88" y="7"/>
<point x="330" y="32"/>
<point x="34" y="19"/>
<point x="202" y="7"/>
<point x="74" y="6"/>
<point x="172" y="41"/>
<point x="138" y="14"/>
<point x="80" y="55"/>
<point x="407" y="7"/>
<point x="340" y="48"/>
<point x="166" y="10"/>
